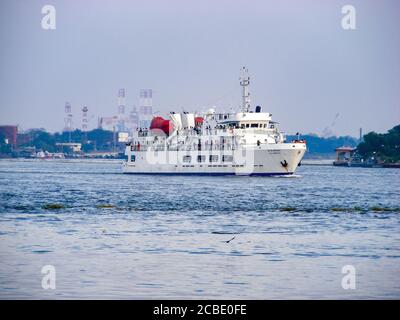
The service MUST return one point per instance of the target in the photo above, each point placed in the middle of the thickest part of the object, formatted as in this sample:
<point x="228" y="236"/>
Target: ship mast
<point x="244" y="82"/>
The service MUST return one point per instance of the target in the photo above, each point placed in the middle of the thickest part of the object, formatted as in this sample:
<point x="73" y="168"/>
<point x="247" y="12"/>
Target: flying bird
<point x="230" y="239"/>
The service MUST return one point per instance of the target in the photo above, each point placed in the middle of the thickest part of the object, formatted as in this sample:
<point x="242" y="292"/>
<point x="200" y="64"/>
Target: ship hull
<point x="265" y="160"/>
<point x="227" y="173"/>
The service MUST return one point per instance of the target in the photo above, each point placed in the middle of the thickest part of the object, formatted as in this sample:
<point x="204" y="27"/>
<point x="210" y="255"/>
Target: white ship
<point x="212" y="143"/>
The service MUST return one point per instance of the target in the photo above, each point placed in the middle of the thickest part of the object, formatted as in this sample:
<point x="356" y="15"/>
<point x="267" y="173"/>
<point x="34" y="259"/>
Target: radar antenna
<point x="244" y="82"/>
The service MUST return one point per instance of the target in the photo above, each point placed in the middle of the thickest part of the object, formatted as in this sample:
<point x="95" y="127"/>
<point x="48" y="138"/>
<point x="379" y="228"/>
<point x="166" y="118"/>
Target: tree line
<point x="381" y="146"/>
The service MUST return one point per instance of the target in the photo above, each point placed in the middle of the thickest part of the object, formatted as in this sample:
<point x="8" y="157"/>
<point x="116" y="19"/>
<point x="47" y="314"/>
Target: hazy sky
<point x="305" y="68"/>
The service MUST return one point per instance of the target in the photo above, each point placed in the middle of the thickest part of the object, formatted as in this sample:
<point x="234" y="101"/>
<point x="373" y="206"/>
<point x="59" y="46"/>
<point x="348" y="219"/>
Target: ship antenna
<point x="244" y="82"/>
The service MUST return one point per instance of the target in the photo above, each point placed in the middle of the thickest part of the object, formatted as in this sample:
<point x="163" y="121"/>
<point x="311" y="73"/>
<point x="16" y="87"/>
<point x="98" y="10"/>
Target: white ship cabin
<point x="245" y="128"/>
<point x="246" y="120"/>
<point x="209" y="131"/>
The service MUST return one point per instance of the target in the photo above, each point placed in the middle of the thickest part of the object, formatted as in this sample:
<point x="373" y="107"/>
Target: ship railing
<point x="205" y="131"/>
<point x="143" y="133"/>
<point x="185" y="147"/>
<point x="139" y="147"/>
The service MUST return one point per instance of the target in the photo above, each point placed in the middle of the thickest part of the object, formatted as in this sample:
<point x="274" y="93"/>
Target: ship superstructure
<point x="211" y="143"/>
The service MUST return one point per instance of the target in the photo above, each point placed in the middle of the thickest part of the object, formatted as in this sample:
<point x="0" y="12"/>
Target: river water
<point x="116" y="236"/>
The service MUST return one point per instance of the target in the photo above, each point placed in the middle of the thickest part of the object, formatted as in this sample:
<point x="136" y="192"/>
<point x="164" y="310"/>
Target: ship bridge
<point x="243" y="120"/>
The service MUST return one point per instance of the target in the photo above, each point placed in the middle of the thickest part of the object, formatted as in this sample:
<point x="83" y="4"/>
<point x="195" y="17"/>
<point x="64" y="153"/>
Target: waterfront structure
<point x="344" y="156"/>
<point x="74" y="147"/>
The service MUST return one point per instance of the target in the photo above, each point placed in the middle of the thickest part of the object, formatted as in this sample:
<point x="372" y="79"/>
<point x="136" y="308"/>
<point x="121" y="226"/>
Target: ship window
<point x="247" y="125"/>
<point x="227" y="158"/>
<point x="242" y="126"/>
<point x="187" y="159"/>
<point x="254" y="125"/>
<point x="201" y="158"/>
<point x="213" y="158"/>
<point x="133" y="158"/>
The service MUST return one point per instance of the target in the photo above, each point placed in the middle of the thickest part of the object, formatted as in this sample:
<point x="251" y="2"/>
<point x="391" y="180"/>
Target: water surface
<point x="119" y="236"/>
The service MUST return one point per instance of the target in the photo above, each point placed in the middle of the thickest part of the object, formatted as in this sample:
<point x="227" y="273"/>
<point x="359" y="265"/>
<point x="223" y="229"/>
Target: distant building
<point x="138" y="118"/>
<point x="145" y="108"/>
<point x="74" y="147"/>
<point x="344" y="156"/>
<point x="10" y="134"/>
<point x="133" y="119"/>
<point x="23" y="138"/>
<point x="108" y="123"/>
